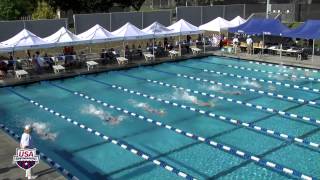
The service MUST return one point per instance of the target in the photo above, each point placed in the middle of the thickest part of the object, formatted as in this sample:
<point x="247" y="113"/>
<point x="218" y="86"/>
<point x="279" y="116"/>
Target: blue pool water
<point x="88" y="156"/>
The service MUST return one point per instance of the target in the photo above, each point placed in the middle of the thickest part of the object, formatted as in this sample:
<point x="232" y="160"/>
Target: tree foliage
<point x="43" y="11"/>
<point x="94" y="5"/>
<point x="14" y="9"/>
<point x="79" y="6"/>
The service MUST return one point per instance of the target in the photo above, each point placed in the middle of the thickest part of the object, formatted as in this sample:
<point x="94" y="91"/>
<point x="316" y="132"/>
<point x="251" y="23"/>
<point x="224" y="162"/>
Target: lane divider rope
<point x="271" y="94"/>
<point x="212" y="115"/>
<point x="280" y="65"/>
<point x="250" y="105"/>
<point x="118" y="142"/>
<point x="277" y="83"/>
<point x="286" y="67"/>
<point x="44" y="157"/>
<point x="265" y="71"/>
<point x="225" y="148"/>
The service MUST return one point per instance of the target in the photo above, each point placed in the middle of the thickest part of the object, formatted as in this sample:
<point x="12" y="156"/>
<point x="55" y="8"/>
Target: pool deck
<point x="285" y="60"/>
<point x="32" y="78"/>
<point x="9" y="171"/>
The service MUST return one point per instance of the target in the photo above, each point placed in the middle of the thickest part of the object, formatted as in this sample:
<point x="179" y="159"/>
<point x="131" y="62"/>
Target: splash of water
<point x="94" y="111"/>
<point x="185" y="96"/>
<point x="138" y="104"/>
<point x="101" y="114"/>
<point x="43" y="130"/>
<point x="146" y="107"/>
<point x="251" y="83"/>
<point x="272" y="88"/>
<point x="214" y="88"/>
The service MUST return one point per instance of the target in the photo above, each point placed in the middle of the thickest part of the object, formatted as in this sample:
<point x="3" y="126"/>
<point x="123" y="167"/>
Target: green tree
<point x="14" y="9"/>
<point x="79" y="6"/>
<point x="43" y="11"/>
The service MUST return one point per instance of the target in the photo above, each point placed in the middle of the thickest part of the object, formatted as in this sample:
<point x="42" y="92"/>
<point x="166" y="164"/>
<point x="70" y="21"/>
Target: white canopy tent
<point x="130" y="32"/>
<point x="237" y="21"/>
<point x="217" y="25"/>
<point x="183" y="27"/>
<point x="25" y="40"/>
<point x="4" y="48"/>
<point x="159" y="30"/>
<point x="98" y="34"/>
<point x="63" y="37"/>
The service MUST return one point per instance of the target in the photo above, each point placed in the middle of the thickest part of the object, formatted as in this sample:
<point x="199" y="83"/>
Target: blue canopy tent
<point x="308" y="30"/>
<point x="262" y="27"/>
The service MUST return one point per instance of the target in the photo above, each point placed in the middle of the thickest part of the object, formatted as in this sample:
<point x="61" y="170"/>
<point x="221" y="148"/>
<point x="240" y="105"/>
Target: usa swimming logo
<point x="26" y="158"/>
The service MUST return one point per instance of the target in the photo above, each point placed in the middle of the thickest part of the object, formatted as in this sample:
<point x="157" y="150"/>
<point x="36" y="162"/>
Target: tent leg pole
<point x="312" y="50"/>
<point x="262" y="49"/>
<point x="179" y="45"/>
<point x="153" y="46"/>
<point x="280" y="50"/>
<point x="204" y="44"/>
<point x="124" y="49"/>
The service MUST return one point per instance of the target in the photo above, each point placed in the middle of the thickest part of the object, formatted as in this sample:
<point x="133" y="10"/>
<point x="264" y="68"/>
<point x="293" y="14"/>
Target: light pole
<point x="268" y="9"/>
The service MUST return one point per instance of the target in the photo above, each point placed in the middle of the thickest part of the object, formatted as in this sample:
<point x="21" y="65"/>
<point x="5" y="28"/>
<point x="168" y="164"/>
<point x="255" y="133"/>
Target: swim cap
<point x="27" y="127"/>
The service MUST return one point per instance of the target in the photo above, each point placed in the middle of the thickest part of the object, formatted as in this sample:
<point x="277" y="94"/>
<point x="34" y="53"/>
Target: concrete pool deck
<point x="9" y="171"/>
<point x="12" y="81"/>
<point x="285" y="60"/>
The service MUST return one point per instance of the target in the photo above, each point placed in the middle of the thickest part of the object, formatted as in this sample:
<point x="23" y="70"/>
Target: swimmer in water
<point x="49" y="136"/>
<point x="203" y="104"/>
<point x="149" y="109"/>
<point x="293" y="78"/>
<point x="272" y="88"/>
<point x="195" y="100"/>
<point x="112" y="120"/>
<point x="42" y="130"/>
<point x="231" y="92"/>
<point x="307" y="73"/>
<point x="160" y="112"/>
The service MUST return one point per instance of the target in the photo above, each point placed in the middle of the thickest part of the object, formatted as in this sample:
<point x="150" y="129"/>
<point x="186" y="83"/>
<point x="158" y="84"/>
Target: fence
<point x="41" y="28"/>
<point x="306" y="12"/>
<point x="159" y="4"/>
<point x="112" y="21"/>
<point x="286" y="11"/>
<point x="198" y="15"/>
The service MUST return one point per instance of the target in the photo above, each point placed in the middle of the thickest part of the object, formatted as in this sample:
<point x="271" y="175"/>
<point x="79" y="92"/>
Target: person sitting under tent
<point x="48" y="60"/>
<point x="165" y="43"/>
<point x="103" y="56"/>
<point x="37" y="62"/>
<point x="113" y="54"/>
<point x="68" y="52"/>
<point x="3" y="69"/>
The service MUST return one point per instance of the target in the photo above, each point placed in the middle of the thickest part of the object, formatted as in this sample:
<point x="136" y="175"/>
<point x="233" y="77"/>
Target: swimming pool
<point x="202" y="118"/>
